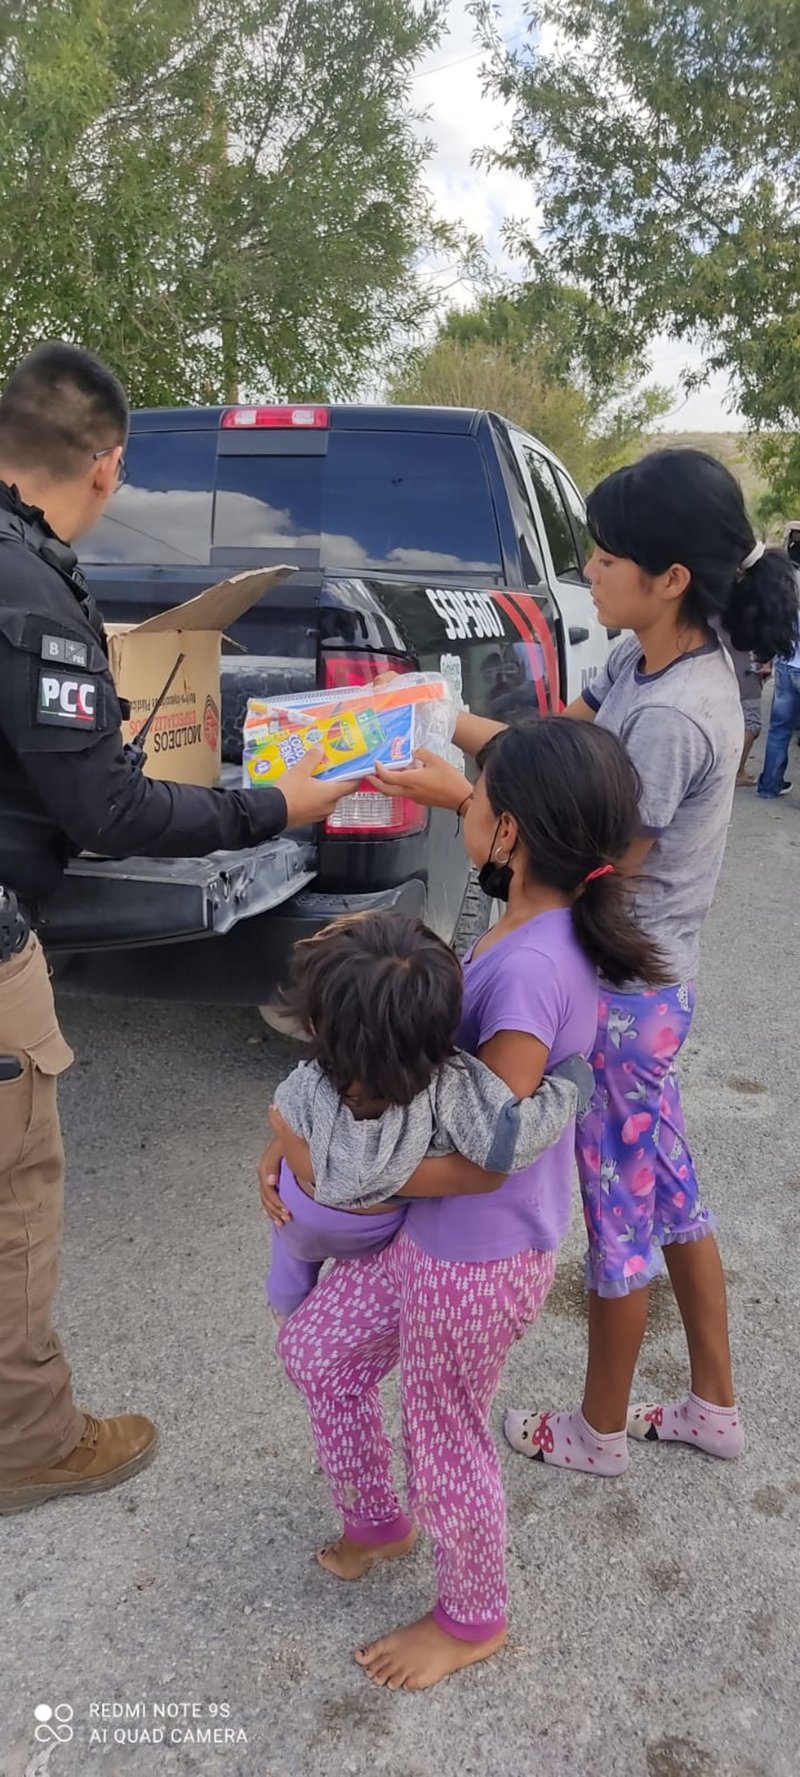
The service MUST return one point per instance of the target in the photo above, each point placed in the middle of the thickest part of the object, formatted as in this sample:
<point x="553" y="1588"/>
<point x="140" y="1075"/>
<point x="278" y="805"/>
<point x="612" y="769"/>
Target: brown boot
<point x="110" y="1451"/>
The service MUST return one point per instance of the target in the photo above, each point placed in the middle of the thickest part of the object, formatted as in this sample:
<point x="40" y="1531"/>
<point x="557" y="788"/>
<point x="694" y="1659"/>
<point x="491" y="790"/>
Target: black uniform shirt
<point x="66" y="785"/>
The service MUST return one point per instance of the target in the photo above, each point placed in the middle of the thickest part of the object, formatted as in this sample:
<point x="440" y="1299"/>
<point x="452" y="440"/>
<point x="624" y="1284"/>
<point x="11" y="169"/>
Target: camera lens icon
<point x="53" y="1724"/>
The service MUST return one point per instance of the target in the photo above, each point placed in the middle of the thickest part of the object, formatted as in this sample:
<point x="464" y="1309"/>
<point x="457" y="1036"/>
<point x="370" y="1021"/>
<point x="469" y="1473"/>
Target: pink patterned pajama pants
<point x="451" y="1326"/>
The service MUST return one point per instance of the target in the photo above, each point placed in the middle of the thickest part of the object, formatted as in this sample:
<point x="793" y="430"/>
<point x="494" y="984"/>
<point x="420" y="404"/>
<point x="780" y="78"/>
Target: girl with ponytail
<point x="559" y="806"/>
<point x="675" y="562"/>
<point x="552" y="815"/>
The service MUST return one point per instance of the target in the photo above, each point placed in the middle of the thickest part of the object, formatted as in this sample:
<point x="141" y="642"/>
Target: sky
<point x="461" y="119"/>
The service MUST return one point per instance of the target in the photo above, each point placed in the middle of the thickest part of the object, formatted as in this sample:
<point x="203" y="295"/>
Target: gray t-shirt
<point x="683" y="729"/>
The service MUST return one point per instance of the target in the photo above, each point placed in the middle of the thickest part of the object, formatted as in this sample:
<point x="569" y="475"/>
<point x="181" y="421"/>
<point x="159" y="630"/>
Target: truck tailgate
<point x="109" y="905"/>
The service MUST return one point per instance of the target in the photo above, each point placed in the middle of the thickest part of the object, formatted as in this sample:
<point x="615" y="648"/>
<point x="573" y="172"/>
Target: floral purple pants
<point x="638" y="1182"/>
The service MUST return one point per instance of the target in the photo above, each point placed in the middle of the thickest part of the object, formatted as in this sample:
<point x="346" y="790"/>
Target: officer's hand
<point x="431" y="781"/>
<point x="269" y="1167"/>
<point x="307" y="798"/>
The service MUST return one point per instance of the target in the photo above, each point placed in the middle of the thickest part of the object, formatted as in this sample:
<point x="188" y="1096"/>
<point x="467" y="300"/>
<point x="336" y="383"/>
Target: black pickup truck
<point x="424" y="538"/>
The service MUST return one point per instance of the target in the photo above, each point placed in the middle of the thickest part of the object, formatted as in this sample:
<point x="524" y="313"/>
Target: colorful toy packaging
<point x="358" y="728"/>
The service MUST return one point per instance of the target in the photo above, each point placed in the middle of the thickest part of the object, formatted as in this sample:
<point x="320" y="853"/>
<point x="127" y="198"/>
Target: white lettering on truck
<point x="467" y="615"/>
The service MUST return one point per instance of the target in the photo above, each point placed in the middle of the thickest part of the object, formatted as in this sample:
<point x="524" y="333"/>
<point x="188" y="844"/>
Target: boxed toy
<point x="357" y="728"/>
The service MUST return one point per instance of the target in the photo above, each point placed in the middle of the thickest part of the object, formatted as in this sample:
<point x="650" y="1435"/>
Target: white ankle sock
<point x="567" y="1440"/>
<point x="717" y="1430"/>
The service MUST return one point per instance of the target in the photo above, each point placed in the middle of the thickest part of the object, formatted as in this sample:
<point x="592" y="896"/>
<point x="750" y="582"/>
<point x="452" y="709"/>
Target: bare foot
<point x="421" y="1654"/>
<point x="350" y="1561"/>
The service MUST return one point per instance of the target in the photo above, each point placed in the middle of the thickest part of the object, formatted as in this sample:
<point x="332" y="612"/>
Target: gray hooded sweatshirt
<point x="466" y="1109"/>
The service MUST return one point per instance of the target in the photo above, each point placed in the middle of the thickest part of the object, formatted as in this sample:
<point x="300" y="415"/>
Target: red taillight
<point x="364" y="813"/>
<point x="340" y="671"/>
<point x="304" y="419"/>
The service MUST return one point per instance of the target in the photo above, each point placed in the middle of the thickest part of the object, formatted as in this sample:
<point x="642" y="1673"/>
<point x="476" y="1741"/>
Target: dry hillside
<point x="732" y="448"/>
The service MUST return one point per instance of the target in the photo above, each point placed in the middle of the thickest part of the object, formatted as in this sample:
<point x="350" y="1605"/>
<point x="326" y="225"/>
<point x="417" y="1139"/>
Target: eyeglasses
<point x="122" y="472"/>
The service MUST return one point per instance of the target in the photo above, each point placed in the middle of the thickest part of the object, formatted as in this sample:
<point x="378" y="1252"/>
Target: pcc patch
<point x="65" y="701"/>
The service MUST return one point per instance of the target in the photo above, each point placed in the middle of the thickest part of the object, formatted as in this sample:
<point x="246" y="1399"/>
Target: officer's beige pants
<point x="39" y="1422"/>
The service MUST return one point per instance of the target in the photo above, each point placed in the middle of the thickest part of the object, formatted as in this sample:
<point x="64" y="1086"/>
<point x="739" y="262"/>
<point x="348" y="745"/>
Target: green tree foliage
<point x="222" y="197"/>
<point x="550" y="359"/>
<point x="662" y="140"/>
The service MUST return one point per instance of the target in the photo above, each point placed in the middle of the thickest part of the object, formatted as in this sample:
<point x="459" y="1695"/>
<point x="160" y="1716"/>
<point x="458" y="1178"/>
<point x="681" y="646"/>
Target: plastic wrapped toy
<point x="357" y="728"/>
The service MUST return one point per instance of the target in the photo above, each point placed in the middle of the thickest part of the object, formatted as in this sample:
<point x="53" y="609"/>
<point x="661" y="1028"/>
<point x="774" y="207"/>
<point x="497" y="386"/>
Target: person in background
<point x="785" y="715"/>
<point x="675" y="558"/>
<point x="750" y="679"/>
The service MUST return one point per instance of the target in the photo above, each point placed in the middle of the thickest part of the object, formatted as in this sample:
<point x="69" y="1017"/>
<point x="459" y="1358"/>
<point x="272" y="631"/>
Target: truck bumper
<point x="101" y="904"/>
<point x="244" y="965"/>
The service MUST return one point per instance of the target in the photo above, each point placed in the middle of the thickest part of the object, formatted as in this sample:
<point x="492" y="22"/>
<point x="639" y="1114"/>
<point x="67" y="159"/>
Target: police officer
<point x="66" y="785"/>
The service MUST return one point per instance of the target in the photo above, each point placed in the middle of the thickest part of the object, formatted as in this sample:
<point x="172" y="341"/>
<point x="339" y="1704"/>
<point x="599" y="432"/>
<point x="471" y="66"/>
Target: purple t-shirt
<point x="536" y="980"/>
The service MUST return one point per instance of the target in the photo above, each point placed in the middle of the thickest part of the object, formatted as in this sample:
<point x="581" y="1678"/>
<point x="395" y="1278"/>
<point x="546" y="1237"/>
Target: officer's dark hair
<point x="574" y="794"/>
<point x="379" y="997"/>
<point x="685" y="506"/>
<point x="58" y="407"/>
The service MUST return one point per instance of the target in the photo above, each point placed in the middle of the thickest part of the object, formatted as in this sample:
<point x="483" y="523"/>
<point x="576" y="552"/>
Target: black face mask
<point x="495" y="879"/>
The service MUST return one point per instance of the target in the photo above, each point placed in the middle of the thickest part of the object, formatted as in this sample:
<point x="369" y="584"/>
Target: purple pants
<point x="638" y="1181"/>
<point x="452" y="1326"/>
<point x="314" y="1234"/>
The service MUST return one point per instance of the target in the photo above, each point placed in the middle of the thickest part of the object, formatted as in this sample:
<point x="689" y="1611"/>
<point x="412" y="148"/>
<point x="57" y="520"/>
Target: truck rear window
<point x="408" y="502"/>
<point x="161" y="516"/>
<point x="270" y="504"/>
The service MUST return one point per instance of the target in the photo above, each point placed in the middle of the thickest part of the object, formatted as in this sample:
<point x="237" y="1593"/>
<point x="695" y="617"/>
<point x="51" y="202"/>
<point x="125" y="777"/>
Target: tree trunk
<point x="230" y="359"/>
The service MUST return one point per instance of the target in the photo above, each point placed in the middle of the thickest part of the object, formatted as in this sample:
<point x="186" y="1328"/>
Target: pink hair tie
<point x="594" y="875"/>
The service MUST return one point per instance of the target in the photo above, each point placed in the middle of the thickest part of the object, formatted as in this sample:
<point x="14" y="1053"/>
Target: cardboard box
<point x="184" y="742"/>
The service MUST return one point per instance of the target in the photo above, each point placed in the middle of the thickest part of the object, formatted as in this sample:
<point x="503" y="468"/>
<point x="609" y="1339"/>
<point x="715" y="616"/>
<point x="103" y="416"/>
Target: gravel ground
<point x="654" y="1618"/>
